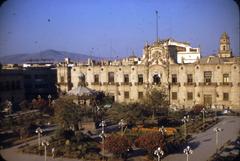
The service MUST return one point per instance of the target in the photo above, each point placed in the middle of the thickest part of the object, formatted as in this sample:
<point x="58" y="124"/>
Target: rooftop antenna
<point x="156" y="25"/>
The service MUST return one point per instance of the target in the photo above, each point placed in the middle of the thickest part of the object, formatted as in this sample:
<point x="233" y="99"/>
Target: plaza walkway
<point x="203" y="145"/>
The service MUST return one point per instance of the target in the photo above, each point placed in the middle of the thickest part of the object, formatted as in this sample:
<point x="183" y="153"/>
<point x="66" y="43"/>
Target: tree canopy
<point x="67" y="113"/>
<point x="150" y="142"/>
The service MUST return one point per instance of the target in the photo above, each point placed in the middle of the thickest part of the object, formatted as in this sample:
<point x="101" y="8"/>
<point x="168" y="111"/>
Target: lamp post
<point x="39" y="97"/>
<point x="49" y="100"/>
<point x="102" y="124"/>
<point x="203" y="112"/>
<point x="122" y="124"/>
<point x="39" y="131"/>
<point x="162" y="130"/>
<point x="45" y="143"/>
<point x="9" y="104"/>
<point x="185" y="120"/>
<point x="187" y="151"/>
<point x="102" y="136"/>
<point x="217" y="130"/>
<point x="159" y="153"/>
<point x="99" y="111"/>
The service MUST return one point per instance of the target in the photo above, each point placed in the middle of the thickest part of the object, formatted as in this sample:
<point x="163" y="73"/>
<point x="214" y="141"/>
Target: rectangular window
<point x="13" y="85"/>
<point x="174" y="78"/>
<point x="27" y="76"/>
<point x="189" y="95"/>
<point x="140" y="79"/>
<point x="225" y="78"/>
<point x="62" y="79"/>
<point x="174" y="95"/>
<point x="189" y="78"/>
<point x="18" y="84"/>
<point x="110" y="77"/>
<point x="126" y="78"/>
<point x="7" y="85"/>
<point x="140" y="95"/>
<point x="207" y="76"/>
<point x="225" y="96"/>
<point x="96" y="78"/>
<point x="126" y="95"/>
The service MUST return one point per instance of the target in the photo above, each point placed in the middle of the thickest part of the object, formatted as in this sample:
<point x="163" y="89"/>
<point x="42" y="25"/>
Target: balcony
<point x="175" y="84"/>
<point x="62" y="83"/>
<point x="190" y="84"/>
<point x="110" y="84"/>
<point x="139" y="83"/>
<point x="126" y="84"/>
<point x="156" y="84"/>
<point x="207" y="84"/>
<point x="226" y="84"/>
<point x="96" y="83"/>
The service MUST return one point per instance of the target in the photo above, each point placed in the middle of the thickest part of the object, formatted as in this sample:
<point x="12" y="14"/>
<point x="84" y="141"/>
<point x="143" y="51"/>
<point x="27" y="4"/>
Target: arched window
<point x="156" y="79"/>
<point x="224" y="48"/>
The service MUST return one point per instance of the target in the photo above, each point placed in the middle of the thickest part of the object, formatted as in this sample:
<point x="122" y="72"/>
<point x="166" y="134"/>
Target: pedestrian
<point x="53" y="152"/>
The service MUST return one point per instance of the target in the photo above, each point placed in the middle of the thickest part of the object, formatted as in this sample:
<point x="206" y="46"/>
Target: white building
<point x="185" y="53"/>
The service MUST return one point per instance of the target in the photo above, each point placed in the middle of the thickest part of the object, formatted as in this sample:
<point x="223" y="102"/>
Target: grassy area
<point x="81" y="147"/>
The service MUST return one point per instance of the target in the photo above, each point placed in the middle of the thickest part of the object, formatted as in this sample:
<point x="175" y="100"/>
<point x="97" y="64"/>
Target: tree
<point x="150" y="142"/>
<point x="131" y="113"/>
<point x="117" y="144"/>
<point x="197" y="109"/>
<point x="67" y="113"/>
<point x="156" y="99"/>
<point x="24" y="105"/>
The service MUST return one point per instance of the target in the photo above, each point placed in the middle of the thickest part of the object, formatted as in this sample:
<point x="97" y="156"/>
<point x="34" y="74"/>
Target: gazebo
<point x="83" y="95"/>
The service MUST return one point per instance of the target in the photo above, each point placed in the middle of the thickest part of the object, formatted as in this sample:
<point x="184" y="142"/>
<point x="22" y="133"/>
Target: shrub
<point x="197" y="109"/>
<point x="150" y="142"/>
<point x="175" y="146"/>
<point x="117" y="144"/>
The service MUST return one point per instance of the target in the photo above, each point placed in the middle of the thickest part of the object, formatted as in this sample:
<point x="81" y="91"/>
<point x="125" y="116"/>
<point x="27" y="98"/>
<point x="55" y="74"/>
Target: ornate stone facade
<point x="212" y="80"/>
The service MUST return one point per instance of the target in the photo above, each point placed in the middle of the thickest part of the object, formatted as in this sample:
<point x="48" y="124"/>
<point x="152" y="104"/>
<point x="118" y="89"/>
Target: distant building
<point x="40" y="81"/>
<point x="18" y="83"/>
<point x="11" y="86"/>
<point x="212" y="80"/>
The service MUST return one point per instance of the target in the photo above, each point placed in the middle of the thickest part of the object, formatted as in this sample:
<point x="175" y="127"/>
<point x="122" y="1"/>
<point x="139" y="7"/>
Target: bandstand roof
<point x="81" y="91"/>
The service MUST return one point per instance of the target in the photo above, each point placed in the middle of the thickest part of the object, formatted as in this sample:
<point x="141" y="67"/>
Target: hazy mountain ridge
<point x="51" y="55"/>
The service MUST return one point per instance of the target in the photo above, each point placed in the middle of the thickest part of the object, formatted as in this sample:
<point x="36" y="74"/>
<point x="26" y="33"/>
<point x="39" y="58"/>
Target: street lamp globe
<point x="159" y="152"/>
<point x="187" y="151"/>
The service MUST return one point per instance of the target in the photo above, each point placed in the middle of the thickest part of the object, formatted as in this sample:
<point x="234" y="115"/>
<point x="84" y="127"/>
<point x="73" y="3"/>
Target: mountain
<point x="47" y="55"/>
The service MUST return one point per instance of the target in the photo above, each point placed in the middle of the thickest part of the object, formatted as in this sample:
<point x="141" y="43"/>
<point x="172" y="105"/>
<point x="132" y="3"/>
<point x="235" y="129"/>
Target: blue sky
<point x="114" y="27"/>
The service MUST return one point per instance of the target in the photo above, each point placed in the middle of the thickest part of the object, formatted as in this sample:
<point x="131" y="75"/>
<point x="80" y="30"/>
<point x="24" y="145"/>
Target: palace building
<point x="189" y="78"/>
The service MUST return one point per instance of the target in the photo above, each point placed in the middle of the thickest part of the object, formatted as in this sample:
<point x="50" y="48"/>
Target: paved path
<point x="204" y="144"/>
